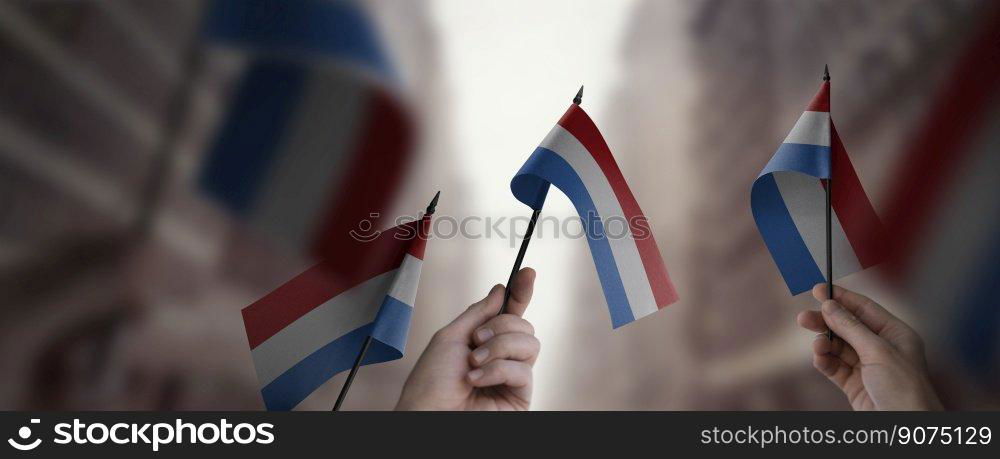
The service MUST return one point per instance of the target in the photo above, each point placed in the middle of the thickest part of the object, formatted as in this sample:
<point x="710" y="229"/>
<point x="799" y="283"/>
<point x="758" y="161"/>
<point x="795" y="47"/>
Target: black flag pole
<point x="520" y="258"/>
<point x="527" y="236"/>
<point x="829" y="219"/>
<point x="352" y="374"/>
<point x="368" y="340"/>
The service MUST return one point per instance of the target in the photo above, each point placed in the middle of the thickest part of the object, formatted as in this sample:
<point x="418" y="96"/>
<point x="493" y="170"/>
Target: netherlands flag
<point x="314" y="326"/>
<point x="315" y="139"/>
<point x="575" y="158"/>
<point x="788" y="201"/>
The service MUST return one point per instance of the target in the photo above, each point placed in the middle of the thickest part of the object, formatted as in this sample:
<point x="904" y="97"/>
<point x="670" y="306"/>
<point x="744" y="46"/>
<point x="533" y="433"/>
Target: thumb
<point x="476" y="315"/>
<point x="520" y="292"/>
<point x="847" y="326"/>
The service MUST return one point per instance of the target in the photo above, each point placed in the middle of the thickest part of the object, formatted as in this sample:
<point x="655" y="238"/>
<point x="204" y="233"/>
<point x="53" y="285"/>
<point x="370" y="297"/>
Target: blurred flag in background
<point x="315" y="139"/>
<point x="944" y="210"/>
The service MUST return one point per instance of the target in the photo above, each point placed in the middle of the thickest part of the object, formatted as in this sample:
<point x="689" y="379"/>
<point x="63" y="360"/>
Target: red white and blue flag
<point x="313" y="327"/>
<point x="575" y="158"/>
<point x="788" y="201"/>
<point x="315" y="138"/>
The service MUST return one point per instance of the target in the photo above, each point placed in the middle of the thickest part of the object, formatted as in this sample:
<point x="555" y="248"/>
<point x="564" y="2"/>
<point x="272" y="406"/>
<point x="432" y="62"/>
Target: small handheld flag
<point x="792" y="197"/>
<point x="337" y="315"/>
<point x="368" y="341"/>
<point x="575" y="158"/>
<point x="315" y="138"/>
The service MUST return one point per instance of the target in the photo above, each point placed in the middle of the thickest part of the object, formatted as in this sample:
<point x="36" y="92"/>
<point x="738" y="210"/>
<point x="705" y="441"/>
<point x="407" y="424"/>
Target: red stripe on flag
<point x="854" y="210"/>
<point x="579" y="124"/>
<point x="371" y="180"/>
<point x="821" y="101"/>
<point x="941" y="142"/>
<point x="327" y="279"/>
<point x="416" y="248"/>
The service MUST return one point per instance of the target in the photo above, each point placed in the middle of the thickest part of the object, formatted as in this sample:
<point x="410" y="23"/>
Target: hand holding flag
<point x="879" y="361"/>
<point x="481" y="361"/>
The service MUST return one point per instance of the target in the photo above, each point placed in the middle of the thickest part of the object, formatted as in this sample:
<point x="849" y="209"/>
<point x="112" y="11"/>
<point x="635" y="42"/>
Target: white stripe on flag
<point x="812" y="128"/>
<point x="630" y="267"/>
<point x="404" y="286"/>
<point x="317" y="328"/>
<point x="310" y="161"/>
<point x="805" y="199"/>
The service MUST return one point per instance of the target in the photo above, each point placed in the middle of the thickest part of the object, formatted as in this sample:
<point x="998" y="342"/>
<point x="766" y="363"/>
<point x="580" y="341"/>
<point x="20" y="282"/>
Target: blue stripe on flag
<point x="548" y="165"/>
<point x="392" y="324"/>
<point x="294" y="385"/>
<point x="979" y="318"/>
<point x="338" y="29"/>
<point x="812" y="160"/>
<point x="529" y="188"/>
<point x="782" y="237"/>
<point x="252" y="133"/>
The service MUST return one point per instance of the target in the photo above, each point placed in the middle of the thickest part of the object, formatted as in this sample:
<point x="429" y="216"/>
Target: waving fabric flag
<point x="789" y="203"/>
<point x="575" y="158"/>
<point x="313" y="326"/>
<point x="313" y="121"/>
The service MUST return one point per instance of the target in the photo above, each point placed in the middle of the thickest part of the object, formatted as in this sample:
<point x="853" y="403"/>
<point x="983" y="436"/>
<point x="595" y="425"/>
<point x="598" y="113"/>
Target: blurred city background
<point x="121" y="282"/>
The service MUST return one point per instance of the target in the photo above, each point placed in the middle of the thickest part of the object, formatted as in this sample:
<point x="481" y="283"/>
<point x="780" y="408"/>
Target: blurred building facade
<point x="84" y="113"/>
<point x="122" y="283"/>
<point x="734" y="343"/>
<point x="100" y="313"/>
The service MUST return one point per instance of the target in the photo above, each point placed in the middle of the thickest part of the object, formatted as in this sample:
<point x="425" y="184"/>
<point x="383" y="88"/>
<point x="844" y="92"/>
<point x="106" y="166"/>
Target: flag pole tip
<point x="579" y="96"/>
<point x="433" y="204"/>
<point x="826" y="72"/>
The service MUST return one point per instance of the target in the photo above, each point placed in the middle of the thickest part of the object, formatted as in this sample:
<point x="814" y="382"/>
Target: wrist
<point x="407" y="403"/>
<point x="925" y="400"/>
<point x="931" y="402"/>
<point x="404" y="404"/>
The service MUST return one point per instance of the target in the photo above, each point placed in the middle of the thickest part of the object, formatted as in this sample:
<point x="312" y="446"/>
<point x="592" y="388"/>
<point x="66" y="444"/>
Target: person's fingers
<point x="487" y="308"/>
<point x="473" y="317"/>
<point x="879" y="320"/>
<point x="504" y="323"/>
<point x="833" y="368"/>
<point x="520" y="291"/>
<point x="826" y="364"/>
<point x="509" y="346"/>
<point x="836" y="347"/>
<point x="870" y="313"/>
<point x="497" y="372"/>
<point x="812" y="321"/>
<point x="849" y="328"/>
<point x="821" y="346"/>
